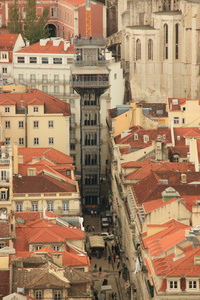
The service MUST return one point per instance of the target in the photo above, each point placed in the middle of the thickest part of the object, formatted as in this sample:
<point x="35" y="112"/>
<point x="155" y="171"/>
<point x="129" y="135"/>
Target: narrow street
<point x="109" y="271"/>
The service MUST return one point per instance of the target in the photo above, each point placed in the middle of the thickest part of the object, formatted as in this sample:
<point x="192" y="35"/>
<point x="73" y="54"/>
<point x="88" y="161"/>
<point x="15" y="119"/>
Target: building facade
<point x="159" y="48"/>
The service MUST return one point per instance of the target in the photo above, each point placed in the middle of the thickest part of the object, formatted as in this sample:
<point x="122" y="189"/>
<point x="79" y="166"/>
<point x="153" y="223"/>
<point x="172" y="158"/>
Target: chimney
<point x="15" y="158"/>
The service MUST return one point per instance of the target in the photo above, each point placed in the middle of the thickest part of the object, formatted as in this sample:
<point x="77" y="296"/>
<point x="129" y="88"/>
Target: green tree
<point x="34" y="26"/>
<point x="14" y="24"/>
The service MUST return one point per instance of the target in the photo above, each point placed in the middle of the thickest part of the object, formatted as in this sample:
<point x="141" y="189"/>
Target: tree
<point x="14" y="24"/>
<point x="34" y="26"/>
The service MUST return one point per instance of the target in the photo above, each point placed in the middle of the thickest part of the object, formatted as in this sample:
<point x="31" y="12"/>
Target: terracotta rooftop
<point x="7" y="41"/>
<point x="51" y="104"/>
<point x="48" y="48"/>
<point x="151" y="134"/>
<point x="41" y="184"/>
<point x="181" y="101"/>
<point x="151" y="187"/>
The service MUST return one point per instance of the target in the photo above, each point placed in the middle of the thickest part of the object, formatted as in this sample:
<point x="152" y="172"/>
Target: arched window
<point x="165" y="41"/>
<point x="176" y="40"/>
<point x="138" y="49"/>
<point x="150" y="49"/>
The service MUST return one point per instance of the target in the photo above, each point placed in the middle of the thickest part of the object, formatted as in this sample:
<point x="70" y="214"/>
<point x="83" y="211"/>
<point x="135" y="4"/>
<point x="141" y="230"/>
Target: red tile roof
<point x="149" y="166"/>
<point x="152" y="205"/>
<point x="51" y="104"/>
<point x="153" y="135"/>
<point x="48" y="48"/>
<point x="7" y="41"/>
<point x="181" y="101"/>
<point x="41" y="184"/>
<point x="151" y="187"/>
<point x="55" y="156"/>
<point x="180" y="133"/>
<point x="43" y="231"/>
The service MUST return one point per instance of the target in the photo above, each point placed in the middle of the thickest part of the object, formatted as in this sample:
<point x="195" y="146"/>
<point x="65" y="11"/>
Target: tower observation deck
<point x="90" y="79"/>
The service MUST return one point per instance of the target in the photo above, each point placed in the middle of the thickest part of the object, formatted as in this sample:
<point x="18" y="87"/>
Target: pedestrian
<point x="119" y="273"/>
<point x="109" y="259"/>
<point x="95" y="267"/>
<point x="113" y="295"/>
<point x="105" y="244"/>
<point x="95" y="213"/>
<point x="93" y="228"/>
<point x="92" y="213"/>
<point x="114" y="257"/>
<point x="99" y="270"/>
<point x="112" y="248"/>
<point x="118" y="264"/>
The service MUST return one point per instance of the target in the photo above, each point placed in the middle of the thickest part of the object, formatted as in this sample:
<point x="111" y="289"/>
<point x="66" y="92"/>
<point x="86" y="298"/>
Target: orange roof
<point x="181" y="101"/>
<point x="152" y="205"/>
<point x="7" y="41"/>
<point x="55" y="156"/>
<point x="42" y="230"/>
<point x="48" y="48"/>
<point x="51" y="104"/>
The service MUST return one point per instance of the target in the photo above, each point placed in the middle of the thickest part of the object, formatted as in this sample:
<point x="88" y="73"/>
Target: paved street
<point x="109" y="271"/>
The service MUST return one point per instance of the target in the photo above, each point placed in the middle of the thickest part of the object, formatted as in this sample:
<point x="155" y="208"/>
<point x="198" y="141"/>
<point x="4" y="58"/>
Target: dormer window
<point x="135" y="136"/>
<point x="164" y="136"/>
<point x="4" y="55"/>
<point x="173" y="284"/>
<point x="68" y="173"/>
<point x="192" y="285"/>
<point x="145" y="138"/>
<point x="184" y="108"/>
<point x="175" y="101"/>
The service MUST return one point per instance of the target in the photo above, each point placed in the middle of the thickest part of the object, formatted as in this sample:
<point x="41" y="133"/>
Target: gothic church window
<point x="150" y="49"/>
<point x="165" y="41"/>
<point x="138" y="49"/>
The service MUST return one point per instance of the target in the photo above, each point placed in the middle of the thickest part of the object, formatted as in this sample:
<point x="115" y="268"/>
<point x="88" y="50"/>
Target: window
<point x="57" y="295"/>
<point x="34" y="206"/>
<point x="56" y="78"/>
<point x="38" y="248"/>
<point x="173" y="284"/>
<point x="2" y="245"/>
<point x="71" y="91"/>
<point x="38" y="293"/>
<point x="72" y="134"/>
<point x="3" y="175"/>
<point x="70" y="61"/>
<point x="72" y="102"/>
<point x="21" y="141"/>
<point x="8" y="141"/>
<point x="21" y="77"/>
<point x="192" y="284"/>
<point x="35" y="124"/>
<point x="19" y="207"/>
<point x="7" y="109"/>
<point x="138" y="49"/>
<point x="36" y="141"/>
<point x="21" y="124"/>
<point x="66" y="206"/>
<point x="4" y="55"/>
<point x="50" y="124"/>
<point x="56" y="89"/>
<point x="165" y="41"/>
<point x="50" y="206"/>
<point x="68" y="173"/>
<point x="159" y="112"/>
<point x="45" y="88"/>
<point x="21" y="60"/>
<point x="35" y="109"/>
<point x="44" y="78"/>
<point x="33" y="60"/>
<point x="176" y="40"/>
<point x="72" y="119"/>
<point x="7" y="124"/>
<point x="183" y="121"/>
<point x="51" y="140"/>
<point x="5" y="70"/>
<point x="56" y="248"/>
<point x="45" y="60"/>
<point x="3" y="195"/>
<point x="57" y="60"/>
<point x="175" y="158"/>
<point x="72" y="147"/>
<point x="53" y="12"/>
<point x="115" y="76"/>
<point x="32" y="78"/>
<point x="176" y="120"/>
<point x="150" y="49"/>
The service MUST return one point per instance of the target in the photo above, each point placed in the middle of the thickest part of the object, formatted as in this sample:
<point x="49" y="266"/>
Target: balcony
<point x="96" y="62"/>
<point x="90" y="83"/>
